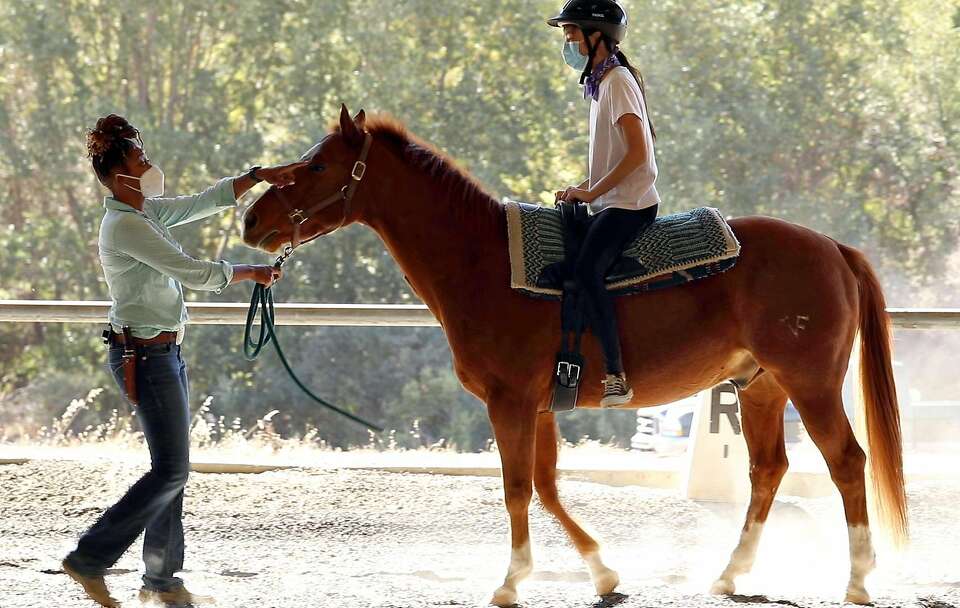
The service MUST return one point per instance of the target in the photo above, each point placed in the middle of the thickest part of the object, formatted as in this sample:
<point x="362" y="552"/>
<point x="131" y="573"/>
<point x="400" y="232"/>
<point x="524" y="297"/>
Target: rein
<point x="262" y="300"/>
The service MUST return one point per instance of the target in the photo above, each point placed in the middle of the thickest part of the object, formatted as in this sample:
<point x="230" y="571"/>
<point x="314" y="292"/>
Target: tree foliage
<point x="839" y="115"/>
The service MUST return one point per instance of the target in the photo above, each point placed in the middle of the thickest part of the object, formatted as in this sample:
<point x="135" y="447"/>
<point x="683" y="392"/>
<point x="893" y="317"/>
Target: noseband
<point x="299" y="217"/>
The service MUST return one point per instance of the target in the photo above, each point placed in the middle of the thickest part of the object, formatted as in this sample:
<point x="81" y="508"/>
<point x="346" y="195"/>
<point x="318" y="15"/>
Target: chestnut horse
<point x="792" y="307"/>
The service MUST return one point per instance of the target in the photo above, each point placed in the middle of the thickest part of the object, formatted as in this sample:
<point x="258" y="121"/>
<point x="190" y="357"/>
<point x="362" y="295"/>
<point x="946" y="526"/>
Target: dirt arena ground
<point x="335" y="537"/>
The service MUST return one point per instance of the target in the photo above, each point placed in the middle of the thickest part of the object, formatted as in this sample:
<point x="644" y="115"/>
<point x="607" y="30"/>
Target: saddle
<point x="575" y="220"/>
<point x="677" y="249"/>
<point x="544" y="244"/>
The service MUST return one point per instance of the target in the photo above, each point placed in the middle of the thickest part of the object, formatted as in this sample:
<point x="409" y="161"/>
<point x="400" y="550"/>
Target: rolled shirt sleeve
<point x="141" y="241"/>
<point x="190" y="208"/>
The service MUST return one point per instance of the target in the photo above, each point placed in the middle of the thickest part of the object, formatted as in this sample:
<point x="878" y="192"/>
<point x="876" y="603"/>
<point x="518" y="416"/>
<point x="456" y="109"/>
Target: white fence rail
<point x="352" y="315"/>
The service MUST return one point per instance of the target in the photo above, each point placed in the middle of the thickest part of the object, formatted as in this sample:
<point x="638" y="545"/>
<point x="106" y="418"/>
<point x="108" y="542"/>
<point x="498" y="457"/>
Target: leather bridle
<point x="299" y="217"/>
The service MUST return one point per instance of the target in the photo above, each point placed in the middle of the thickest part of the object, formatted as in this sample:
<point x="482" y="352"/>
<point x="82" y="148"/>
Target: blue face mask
<point x="573" y="58"/>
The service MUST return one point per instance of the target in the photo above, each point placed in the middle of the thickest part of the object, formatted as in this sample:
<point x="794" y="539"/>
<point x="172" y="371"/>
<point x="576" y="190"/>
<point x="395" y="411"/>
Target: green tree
<point x="839" y="115"/>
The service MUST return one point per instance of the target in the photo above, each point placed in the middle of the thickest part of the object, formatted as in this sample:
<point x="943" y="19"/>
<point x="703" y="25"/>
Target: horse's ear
<point x="361" y="121"/>
<point x="348" y="128"/>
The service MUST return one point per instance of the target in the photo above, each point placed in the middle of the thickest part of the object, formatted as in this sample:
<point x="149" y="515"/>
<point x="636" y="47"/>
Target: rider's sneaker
<point x="94" y="586"/>
<point x="616" y="391"/>
<point x="178" y="597"/>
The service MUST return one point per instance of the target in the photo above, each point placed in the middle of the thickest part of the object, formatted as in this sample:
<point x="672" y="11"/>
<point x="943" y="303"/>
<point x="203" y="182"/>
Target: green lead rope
<point x="263" y="301"/>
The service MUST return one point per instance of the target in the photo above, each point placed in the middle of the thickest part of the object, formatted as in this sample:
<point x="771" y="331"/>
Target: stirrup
<point x="566" y="382"/>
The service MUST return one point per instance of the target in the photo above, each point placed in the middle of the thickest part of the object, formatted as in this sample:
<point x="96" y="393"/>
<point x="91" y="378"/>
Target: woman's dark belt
<point x="130" y="345"/>
<point x="115" y="339"/>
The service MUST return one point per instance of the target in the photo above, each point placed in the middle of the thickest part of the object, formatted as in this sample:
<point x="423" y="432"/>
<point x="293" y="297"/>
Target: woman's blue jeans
<point x="154" y="504"/>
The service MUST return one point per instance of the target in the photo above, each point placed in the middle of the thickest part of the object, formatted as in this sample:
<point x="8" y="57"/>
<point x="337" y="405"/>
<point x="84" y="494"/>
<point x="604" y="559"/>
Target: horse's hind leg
<point x="762" y="406"/>
<point x="604" y="579"/>
<point x="825" y="421"/>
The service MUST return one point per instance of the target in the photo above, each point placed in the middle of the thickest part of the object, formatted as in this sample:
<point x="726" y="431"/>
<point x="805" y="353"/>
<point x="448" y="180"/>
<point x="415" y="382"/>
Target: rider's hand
<point x="575" y="195"/>
<point x="281" y="175"/>
<point x="561" y="195"/>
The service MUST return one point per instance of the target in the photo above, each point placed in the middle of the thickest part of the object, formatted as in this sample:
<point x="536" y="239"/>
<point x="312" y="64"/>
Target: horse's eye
<point x="318" y="168"/>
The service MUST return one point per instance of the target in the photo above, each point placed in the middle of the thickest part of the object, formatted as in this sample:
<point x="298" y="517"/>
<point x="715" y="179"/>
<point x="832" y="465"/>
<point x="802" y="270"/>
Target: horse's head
<point x="322" y="199"/>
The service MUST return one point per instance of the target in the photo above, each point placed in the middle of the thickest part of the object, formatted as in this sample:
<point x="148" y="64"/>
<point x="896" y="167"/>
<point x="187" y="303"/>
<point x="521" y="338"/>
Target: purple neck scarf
<point x="591" y="86"/>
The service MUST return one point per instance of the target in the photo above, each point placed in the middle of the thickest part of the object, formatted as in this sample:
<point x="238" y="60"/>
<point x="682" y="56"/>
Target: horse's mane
<point x="451" y="179"/>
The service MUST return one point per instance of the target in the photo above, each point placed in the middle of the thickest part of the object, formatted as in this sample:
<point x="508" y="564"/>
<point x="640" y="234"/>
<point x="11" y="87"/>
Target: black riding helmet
<point x="606" y="16"/>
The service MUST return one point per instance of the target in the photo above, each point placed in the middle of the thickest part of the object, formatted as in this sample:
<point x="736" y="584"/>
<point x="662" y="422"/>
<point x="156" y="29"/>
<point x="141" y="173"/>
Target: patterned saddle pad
<point x="677" y="249"/>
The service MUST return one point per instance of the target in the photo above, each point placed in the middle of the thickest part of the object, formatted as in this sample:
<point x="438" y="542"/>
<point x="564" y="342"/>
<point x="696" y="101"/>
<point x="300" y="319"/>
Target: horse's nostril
<point x="249" y="221"/>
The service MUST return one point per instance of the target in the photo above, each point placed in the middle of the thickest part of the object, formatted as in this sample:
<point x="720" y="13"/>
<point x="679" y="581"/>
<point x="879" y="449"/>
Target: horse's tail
<point x="880" y="399"/>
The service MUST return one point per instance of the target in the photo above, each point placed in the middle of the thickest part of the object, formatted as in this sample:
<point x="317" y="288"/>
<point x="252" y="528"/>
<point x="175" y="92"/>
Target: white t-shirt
<point x="619" y="95"/>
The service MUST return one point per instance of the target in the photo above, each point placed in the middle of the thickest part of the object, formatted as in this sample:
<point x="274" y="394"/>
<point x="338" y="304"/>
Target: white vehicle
<point x="665" y="429"/>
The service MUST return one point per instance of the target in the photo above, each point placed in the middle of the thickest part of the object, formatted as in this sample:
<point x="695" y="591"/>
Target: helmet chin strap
<point x="592" y="53"/>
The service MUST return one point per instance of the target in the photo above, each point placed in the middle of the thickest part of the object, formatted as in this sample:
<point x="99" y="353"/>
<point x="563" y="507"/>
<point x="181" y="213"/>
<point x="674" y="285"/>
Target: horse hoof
<point x="857" y="595"/>
<point x="723" y="587"/>
<point x="504" y="597"/>
<point x="606" y="581"/>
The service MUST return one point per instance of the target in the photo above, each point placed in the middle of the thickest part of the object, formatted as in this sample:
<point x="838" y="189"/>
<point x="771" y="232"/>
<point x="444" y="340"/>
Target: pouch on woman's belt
<point x="130" y="366"/>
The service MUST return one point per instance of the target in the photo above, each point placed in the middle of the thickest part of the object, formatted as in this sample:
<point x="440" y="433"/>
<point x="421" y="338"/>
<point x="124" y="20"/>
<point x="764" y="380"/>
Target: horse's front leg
<point x="605" y="580"/>
<point x="514" y="427"/>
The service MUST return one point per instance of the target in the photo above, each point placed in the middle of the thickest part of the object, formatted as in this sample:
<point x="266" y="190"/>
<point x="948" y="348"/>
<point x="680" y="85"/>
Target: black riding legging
<point x="609" y="232"/>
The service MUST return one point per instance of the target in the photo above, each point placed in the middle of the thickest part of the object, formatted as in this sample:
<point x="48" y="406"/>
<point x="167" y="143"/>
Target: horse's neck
<point x="440" y="244"/>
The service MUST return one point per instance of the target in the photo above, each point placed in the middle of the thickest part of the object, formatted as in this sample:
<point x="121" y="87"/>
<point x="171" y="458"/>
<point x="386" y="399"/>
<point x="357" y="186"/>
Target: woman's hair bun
<point x="108" y="132"/>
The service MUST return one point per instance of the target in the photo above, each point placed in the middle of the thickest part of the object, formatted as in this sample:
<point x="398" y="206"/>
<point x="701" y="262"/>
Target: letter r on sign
<point x="719" y="408"/>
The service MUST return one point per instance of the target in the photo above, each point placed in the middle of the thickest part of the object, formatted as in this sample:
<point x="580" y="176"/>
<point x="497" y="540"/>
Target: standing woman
<point x="620" y="189"/>
<point x="145" y="269"/>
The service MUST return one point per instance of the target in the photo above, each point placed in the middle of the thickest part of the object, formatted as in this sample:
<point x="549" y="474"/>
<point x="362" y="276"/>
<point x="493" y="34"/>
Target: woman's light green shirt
<point x="146" y="268"/>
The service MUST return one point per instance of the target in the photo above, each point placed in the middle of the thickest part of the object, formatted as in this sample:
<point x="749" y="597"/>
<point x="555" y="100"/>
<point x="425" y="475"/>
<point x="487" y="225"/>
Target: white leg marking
<point x="862" y="562"/>
<point x="741" y="561"/>
<point x="521" y="565"/>
<point x="605" y="580"/>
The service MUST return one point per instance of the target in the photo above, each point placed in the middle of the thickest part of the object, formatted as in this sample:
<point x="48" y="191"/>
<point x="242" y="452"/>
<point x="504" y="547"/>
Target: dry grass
<point x="218" y="439"/>
<point x="212" y="437"/>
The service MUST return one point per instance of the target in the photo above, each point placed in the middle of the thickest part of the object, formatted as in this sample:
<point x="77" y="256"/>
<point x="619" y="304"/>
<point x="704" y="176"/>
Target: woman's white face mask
<point x="151" y="182"/>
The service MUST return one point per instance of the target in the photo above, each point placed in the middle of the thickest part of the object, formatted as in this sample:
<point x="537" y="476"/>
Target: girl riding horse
<point x="620" y="191"/>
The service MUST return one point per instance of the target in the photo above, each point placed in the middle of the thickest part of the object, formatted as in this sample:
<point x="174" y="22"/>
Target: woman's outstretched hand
<point x="281" y="175"/>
